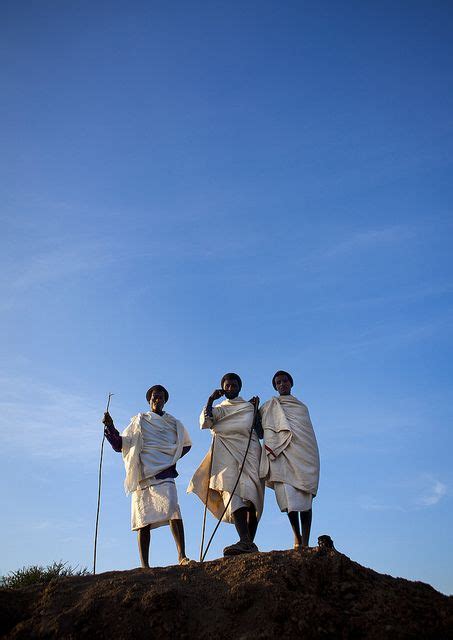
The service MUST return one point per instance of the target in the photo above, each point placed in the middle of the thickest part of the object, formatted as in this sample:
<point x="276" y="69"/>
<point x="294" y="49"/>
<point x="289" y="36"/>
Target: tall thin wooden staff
<point x="207" y="496"/>
<point x="99" y="493"/>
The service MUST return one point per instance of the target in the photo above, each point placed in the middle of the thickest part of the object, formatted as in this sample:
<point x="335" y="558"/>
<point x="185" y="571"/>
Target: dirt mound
<point x="282" y="594"/>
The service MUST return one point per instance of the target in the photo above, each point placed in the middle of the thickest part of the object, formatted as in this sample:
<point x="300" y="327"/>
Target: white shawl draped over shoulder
<point x="290" y="453"/>
<point x="160" y="447"/>
<point x="231" y="424"/>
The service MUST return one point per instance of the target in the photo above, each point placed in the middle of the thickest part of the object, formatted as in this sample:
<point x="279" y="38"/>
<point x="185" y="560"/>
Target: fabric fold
<point x="278" y="433"/>
<point x="231" y="425"/>
<point x="290" y="453"/>
<point x="149" y="449"/>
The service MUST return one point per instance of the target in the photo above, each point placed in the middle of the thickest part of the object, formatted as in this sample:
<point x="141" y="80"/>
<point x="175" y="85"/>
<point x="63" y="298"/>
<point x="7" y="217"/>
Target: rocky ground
<point x="312" y="594"/>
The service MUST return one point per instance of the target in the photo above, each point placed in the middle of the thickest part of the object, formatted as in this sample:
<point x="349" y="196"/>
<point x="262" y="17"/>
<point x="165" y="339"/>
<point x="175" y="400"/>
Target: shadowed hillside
<point x="282" y="594"/>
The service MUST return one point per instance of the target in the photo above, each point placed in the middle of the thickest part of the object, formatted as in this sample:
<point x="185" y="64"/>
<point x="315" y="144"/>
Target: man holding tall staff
<point x="151" y="446"/>
<point x="232" y="423"/>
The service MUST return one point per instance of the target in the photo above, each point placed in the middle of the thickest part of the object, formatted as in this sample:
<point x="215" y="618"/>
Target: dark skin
<point x="284" y="386"/>
<point x="156" y="404"/>
<point x="244" y="519"/>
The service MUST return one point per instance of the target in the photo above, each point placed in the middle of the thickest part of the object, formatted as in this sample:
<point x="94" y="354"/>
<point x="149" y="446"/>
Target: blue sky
<point x="189" y="189"/>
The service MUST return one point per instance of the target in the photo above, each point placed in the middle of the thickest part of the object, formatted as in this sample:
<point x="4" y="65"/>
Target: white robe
<point x="290" y="453"/>
<point x="152" y="443"/>
<point x="231" y="424"/>
<point x="154" y="503"/>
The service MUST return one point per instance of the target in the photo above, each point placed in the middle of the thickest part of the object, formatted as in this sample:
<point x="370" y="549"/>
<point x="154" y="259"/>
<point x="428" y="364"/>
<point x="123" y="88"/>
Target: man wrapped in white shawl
<point x="290" y="457"/>
<point x="231" y="423"/>
<point x="151" y="445"/>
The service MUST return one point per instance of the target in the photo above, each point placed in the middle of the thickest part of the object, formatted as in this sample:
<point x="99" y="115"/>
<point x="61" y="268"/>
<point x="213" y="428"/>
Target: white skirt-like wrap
<point x="154" y="503"/>
<point x="236" y="503"/>
<point x="291" y="499"/>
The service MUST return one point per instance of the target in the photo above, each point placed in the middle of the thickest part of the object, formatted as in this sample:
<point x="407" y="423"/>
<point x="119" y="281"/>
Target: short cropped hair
<point x="156" y="387"/>
<point x="231" y="376"/>
<point x="282" y="373"/>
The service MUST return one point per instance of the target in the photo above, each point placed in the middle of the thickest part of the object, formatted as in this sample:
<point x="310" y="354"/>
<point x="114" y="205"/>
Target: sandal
<point x="240" y="547"/>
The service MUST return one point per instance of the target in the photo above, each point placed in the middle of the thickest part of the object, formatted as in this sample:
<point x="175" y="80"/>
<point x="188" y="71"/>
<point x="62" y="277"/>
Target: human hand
<point x="255" y="401"/>
<point x="216" y="394"/>
<point x="108" y="421"/>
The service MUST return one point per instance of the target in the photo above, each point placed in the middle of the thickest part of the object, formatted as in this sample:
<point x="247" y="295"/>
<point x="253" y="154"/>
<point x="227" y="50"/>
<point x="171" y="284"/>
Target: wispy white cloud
<point x="433" y="494"/>
<point x="357" y="429"/>
<point x="396" y="299"/>
<point x="58" y="524"/>
<point x="370" y="504"/>
<point x="387" y="335"/>
<point x="320" y="259"/>
<point x="366" y="239"/>
<point x="54" y="264"/>
<point x="40" y="525"/>
<point x="37" y="419"/>
<point x="422" y="492"/>
<point x="59" y="259"/>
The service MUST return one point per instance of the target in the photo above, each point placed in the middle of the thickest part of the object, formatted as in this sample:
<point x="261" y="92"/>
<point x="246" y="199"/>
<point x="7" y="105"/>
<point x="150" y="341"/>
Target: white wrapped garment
<point x="151" y="443"/>
<point x="154" y="503"/>
<point x="291" y="499"/>
<point x="231" y="424"/>
<point x="290" y="453"/>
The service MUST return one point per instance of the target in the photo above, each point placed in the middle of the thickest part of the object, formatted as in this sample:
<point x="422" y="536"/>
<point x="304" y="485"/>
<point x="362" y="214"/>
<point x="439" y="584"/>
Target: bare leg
<point x="294" y="520"/>
<point x="305" y="518"/>
<point x="177" y="529"/>
<point x="245" y="522"/>
<point x="240" y="522"/>
<point x="252" y="522"/>
<point x="144" y="537"/>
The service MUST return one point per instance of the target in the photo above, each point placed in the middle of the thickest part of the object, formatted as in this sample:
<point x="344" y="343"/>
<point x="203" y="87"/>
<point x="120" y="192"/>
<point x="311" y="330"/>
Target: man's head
<point x="282" y="382"/>
<point x="157" y="396"/>
<point x="231" y="384"/>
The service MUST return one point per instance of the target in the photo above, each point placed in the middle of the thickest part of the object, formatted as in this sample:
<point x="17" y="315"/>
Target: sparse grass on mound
<point x="39" y="575"/>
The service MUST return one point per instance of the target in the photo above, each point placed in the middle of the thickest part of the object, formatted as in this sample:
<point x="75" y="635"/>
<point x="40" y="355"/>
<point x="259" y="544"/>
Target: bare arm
<point x="207" y="414"/>
<point x="257" y="424"/>
<point x="215" y="395"/>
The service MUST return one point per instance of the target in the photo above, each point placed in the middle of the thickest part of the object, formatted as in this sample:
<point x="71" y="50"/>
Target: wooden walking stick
<point x="206" y="501"/>
<point x="99" y="493"/>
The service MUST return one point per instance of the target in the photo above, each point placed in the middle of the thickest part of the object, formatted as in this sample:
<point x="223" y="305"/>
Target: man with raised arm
<point x="151" y="446"/>
<point x="231" y="423"/>
<point x="290" y="457"/>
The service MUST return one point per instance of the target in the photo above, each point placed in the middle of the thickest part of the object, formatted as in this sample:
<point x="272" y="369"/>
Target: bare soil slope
<point x="282" y="594"/>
